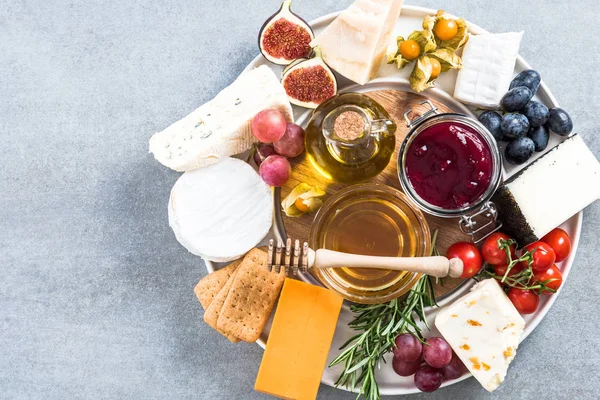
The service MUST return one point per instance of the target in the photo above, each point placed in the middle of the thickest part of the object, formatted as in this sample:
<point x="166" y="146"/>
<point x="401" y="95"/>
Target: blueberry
<point x="528" y="78"/>
<point x="492" y="120"/>
<point x="514" y="125"/>
<point x="516" y="99"/>
<point x="560" y="122"/>
<point x="537" y="113"/>
<point x="519" y="150"/>
<point x="540" y="136"/>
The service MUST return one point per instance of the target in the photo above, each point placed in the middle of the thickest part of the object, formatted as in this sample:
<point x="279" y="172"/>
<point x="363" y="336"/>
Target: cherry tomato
<point x="525" y="301"/>
<point x="436" y="67"/>
<point x="470" y="256"/>
<point x="552" y="273"/>
<point x="410" y="49"/>
<point x="543" y="256"/>
<point x="500" y="270"/>
<point x="560" y="242"/>
<point x="445" y="29"/>
<point x="492" y="253"/>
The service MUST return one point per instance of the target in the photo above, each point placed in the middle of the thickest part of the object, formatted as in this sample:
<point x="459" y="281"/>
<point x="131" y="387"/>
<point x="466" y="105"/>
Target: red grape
<point x="275" y="170"/>
<point x="437" y="352"/>
<point x="408" y="347"/>
<point x="292" y="142"/>
<point x="405" y="368"/>
<point x="268" y="125"/>
<point x="428" y="379"/>
<point x="455" y="369"/>
<point x="263" y="151"/>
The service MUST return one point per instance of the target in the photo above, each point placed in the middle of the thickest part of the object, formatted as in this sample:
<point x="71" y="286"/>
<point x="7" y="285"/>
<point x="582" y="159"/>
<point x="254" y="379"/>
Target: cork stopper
<point x="349" y="125"/>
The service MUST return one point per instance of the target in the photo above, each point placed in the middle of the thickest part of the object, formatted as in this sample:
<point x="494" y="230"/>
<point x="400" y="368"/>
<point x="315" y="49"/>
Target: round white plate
<point x="389" y="77"/>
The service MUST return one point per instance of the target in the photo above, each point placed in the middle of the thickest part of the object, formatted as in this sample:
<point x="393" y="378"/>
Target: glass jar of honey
<point x="370" y="219"/>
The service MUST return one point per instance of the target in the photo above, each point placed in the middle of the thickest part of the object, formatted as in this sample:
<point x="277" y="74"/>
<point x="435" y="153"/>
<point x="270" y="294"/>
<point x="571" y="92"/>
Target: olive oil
<point x="370" y="220"/>
<point x="357" y="156"/>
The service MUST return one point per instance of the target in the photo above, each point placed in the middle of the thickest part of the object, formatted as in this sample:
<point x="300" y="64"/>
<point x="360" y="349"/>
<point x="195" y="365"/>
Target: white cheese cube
<point x="484" y="329"/>
<point x="549" y="191"/>
<point x="354" y="44"/>
<point x="488" y="66"/>
<point x="221" y="127"/>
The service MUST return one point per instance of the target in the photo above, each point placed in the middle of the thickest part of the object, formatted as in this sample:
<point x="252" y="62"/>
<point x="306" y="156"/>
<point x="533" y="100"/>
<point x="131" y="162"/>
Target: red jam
<point x="449" y="165"/>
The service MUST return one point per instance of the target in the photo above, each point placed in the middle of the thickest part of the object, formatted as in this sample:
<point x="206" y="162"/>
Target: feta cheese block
<point x="549" y="191"/>
<point x="354" y="44"/>
<point x="484" y="329"/>
<point x="222" y="211"/>
<point x="488" y="67"/>
<point x="221" y="127"/>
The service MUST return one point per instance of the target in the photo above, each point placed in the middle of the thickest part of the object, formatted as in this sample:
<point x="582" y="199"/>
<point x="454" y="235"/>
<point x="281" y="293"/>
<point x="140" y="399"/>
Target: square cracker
<point x="211" y="315"/>
<point x="251" y="297"/>
<point x="211" y="284"/>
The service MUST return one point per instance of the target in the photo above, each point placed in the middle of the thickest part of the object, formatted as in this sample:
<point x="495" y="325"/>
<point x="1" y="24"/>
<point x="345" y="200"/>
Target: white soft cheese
<point x="222" y="211"/>
<point x="556" y="186"/>
<point x="483" y="328"/>
<point x="354" y="44"/>
<point x="221" y="127"/>
<point x="488" y="66"/>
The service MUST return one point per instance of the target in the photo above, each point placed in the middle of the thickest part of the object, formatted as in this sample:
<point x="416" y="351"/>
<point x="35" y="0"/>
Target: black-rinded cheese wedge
<point x="549" y="191"/>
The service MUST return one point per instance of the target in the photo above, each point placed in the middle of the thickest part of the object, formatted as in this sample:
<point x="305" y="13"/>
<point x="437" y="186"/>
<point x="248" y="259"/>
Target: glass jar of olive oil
<point x="350" y="138"/>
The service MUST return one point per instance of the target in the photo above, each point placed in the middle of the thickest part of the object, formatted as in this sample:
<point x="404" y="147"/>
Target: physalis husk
<point x="431" y="47"/>
<point x="302" y="199"/>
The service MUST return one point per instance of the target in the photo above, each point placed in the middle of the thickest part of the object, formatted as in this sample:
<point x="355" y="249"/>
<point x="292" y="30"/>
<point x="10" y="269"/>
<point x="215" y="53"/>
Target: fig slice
<point x="309" y="81"/>
<point x="285" y="37"/>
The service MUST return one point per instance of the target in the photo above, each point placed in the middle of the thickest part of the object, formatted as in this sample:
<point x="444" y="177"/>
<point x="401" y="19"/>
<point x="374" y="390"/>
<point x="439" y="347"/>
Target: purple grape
<point x="292" y="143"/>
<point x="275" y="170"/>
<point x="428" y="379"/>
<point x="405" y="368"/>
<point x="437" y="352"/>
<point x="408" y="347"/>
<point x="263" y="150"/>
<point x="455" y="369"/>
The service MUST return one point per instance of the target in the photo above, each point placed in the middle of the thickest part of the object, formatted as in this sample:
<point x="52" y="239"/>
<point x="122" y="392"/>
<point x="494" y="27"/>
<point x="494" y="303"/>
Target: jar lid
<point x="370" y="219"/>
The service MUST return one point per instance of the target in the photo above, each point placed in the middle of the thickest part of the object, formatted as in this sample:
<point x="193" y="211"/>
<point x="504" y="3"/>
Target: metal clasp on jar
<point x="470" y="227"/>
<point x="432" y="110"/>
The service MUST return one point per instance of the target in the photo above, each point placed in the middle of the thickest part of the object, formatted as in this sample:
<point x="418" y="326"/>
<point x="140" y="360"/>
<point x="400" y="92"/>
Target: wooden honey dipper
<point x="302" y="258"/>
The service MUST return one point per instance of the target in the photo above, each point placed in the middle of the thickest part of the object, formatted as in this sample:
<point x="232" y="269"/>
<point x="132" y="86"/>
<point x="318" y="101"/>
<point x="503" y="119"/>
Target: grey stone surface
<point x="96" y="295"/>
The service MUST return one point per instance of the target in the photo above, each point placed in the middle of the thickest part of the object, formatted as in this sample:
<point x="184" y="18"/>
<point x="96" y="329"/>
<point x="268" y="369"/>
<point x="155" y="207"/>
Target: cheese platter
<point x="374" y="165"/>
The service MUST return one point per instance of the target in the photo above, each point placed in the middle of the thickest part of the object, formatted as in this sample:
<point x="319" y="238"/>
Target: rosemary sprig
<point x="380" y="324"/>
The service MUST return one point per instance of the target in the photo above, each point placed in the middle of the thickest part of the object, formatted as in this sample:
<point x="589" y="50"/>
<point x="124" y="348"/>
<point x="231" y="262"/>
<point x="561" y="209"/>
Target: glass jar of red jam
<point x="449" y="166"/>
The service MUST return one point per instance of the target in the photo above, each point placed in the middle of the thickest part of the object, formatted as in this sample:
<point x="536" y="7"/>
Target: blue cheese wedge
<point x="488" y="66"/>
<point x="354" y="44"/>
<point x="484" y="329"/>
<point x="549" y="191"/>
<point x="221" y="127"/>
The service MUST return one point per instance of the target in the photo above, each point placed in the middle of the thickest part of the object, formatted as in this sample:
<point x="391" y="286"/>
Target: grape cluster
<point x="526" y="123"/>
<point x="430" y="363"/>
<point x="278" y="139"/>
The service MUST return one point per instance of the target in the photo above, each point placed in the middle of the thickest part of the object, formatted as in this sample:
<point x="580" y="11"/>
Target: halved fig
<point x="285" y="37"/>
<point x="309" y="81"/>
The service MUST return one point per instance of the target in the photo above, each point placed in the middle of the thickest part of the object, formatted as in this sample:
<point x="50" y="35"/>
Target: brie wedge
<point x="484" y="329"/>
<point x="354" y="44"/>
<point x="488" y="66"/>
<point x="222" y="211"/>
<point x="221" y="127"/>
<point x="549" y="191"/>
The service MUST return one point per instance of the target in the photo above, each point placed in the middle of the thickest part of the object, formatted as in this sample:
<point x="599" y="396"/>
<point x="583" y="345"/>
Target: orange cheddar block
<point x="299" y="341"/>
